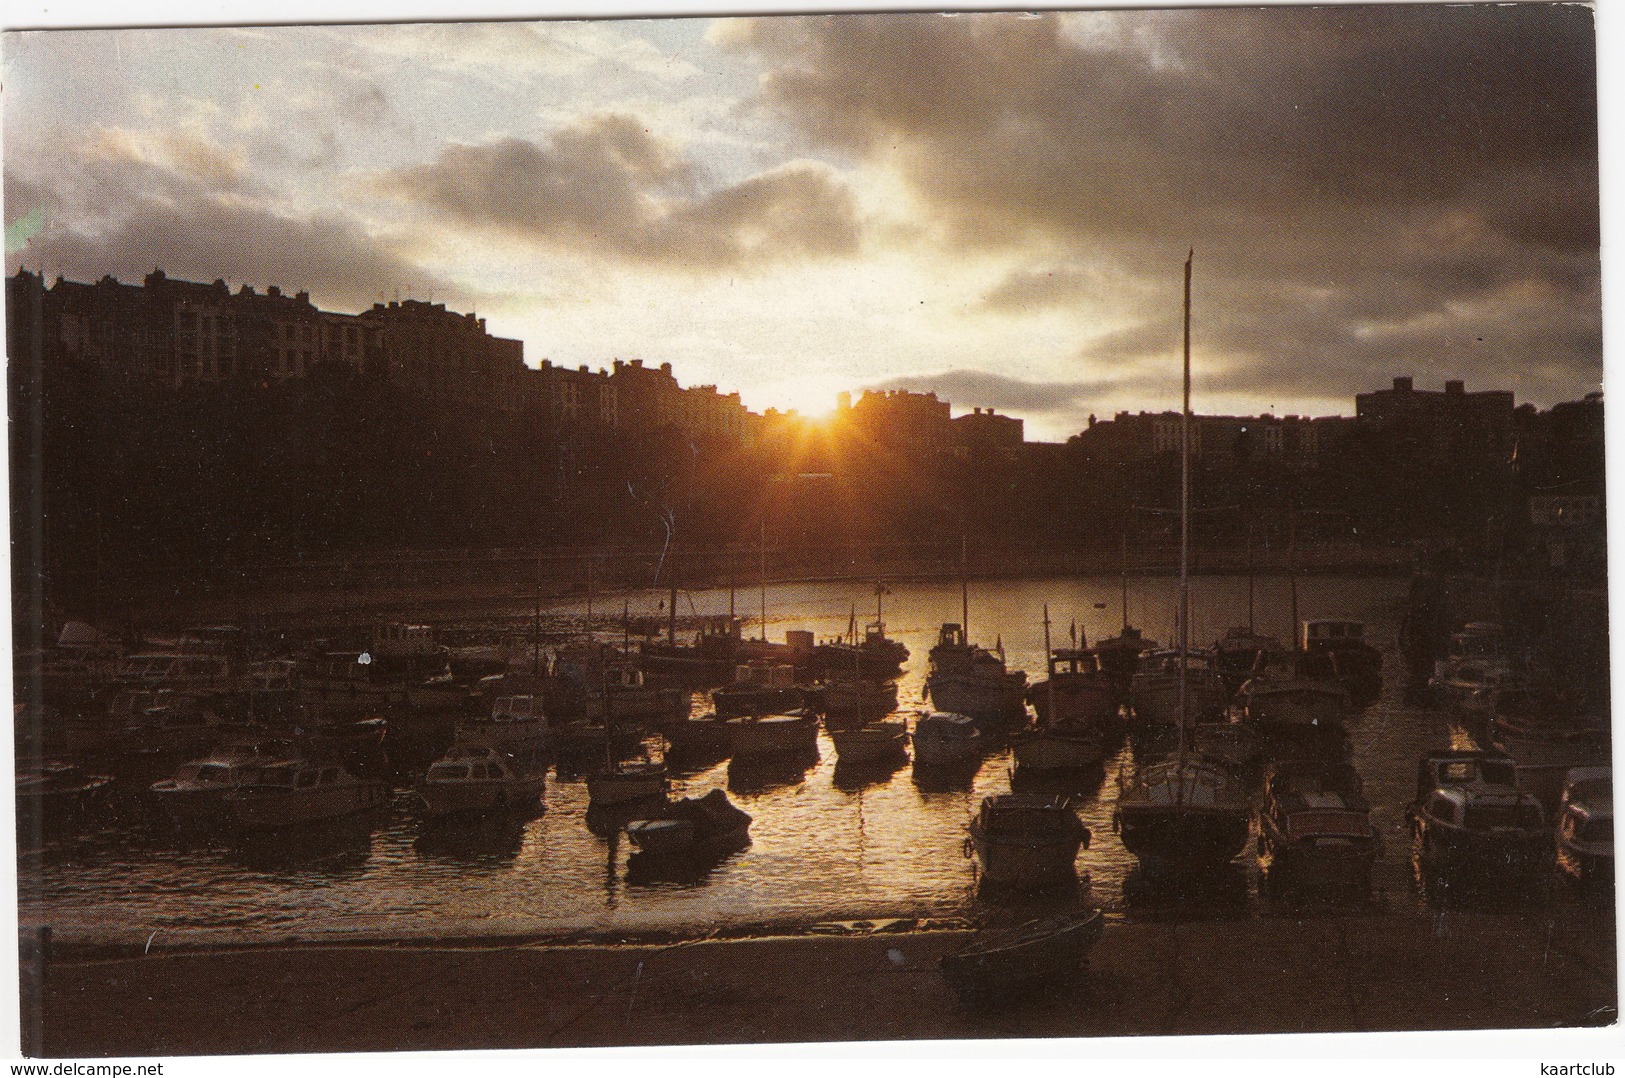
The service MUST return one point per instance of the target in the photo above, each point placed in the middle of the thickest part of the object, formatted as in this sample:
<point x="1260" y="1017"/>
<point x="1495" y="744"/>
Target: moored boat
<point x="1471" y="823"/>
<point x="288" y="793"/>
<point x="1335" y="649"/>
<point x="759" y="687"/>
<point x="769" y="736"/>
<point x="1585" y="827"/>
<point x="944" y="739"/>
<point x="696" y="828"/>
<point x="624" y="783"/>
<point x="1026" y="842"/>
<point x="473" y="780"/>
<point x="1314" y="827"/>
<point x="873" y="742"/>
<point x="1183" y="815"/>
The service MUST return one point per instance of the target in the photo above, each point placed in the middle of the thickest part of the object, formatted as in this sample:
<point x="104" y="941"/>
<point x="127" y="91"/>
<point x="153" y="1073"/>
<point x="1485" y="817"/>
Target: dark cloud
<point x="608" y="186"/>
<point x="1422" y="174"/>
<point x="193" y="232"/>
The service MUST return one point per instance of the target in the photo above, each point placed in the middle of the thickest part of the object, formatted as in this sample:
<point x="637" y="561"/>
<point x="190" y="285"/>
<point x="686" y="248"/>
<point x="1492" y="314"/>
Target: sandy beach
<point x="1452" y="970"/>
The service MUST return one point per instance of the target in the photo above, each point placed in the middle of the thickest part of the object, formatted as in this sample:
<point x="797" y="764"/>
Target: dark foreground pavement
<point x="1331" y="974"/>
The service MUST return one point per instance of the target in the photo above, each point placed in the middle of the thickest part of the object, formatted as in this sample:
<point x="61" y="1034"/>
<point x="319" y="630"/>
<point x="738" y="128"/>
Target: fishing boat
<point x="1476" y="661"/>
<point x="1026" y="842"/>
<point x="1296" y="717"/>
<point x="968" y="680"/>
<point x="1177" y="687"/>
<point x="1585" y="827"/>
<point x="288" y="793"/>
<point x="1184" y="815"/>
<point x="944" y="739"/>
<point x="475" y="780"/>
<point x="1077" y="689"/>
<point x="1470" y="822"/>
<point x="1238" y="654"/>
<point x="997" y="961"/>
<point x="876" y="656"/>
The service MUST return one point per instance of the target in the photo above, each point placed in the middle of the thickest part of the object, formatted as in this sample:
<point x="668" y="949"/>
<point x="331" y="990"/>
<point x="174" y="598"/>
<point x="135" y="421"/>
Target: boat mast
<point x="964" y="592"/>
<point x="1049" y="662"/>
<point x="761" y="554"/>
<point x="1125" y="583"/>
<point x="1292" y="570"/>
<point x="1250" y="576"/>
<point x="1185" y="521"/>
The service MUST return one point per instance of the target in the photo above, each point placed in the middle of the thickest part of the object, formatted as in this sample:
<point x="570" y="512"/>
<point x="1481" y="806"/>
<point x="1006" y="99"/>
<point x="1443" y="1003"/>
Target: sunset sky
<point x="994" y="207"/>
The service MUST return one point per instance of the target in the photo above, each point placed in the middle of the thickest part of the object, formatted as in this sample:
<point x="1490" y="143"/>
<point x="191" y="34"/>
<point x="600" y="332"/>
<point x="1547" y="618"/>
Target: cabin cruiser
<point x="1026" y="842"/>
<point x="845" y="699"/>
<point x="516" y="724"/>
<point x="1544" y="733"/>
<point x="1470" y="820"/>
<point x="195" y="795"/>
<point x="54" y="796"/>
<point x="287" y="793"/>
<point x="1585" y="826"/>
<point x="968" y="680"/>
<point x="1297" y="717"/>
<point x="766" y="737"/>
<point x="875" y="656"/>
<point x="472" y="780"/>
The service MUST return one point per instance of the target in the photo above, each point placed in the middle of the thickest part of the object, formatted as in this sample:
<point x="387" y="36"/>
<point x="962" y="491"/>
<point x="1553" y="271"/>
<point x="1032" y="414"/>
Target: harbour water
<point x="826" y="845"/>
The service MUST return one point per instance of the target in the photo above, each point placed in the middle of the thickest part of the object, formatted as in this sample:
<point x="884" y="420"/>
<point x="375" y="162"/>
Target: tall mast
<point x="761" y="552"/>
<point x="1185" y="519"/>
<point x="1049" y="664"/>
<point x="1125" y="582"/>
<point x="1250" y="576"/>
<point x="964" y="591"/>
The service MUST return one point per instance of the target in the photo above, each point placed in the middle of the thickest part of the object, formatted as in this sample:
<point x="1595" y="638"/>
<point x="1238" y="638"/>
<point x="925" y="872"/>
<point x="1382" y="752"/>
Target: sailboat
<point x="1076" y="705"/>
<point x="1185" y="814"/>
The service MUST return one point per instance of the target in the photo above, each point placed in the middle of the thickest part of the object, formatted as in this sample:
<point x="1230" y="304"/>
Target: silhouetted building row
<point x="1216" y="441"/>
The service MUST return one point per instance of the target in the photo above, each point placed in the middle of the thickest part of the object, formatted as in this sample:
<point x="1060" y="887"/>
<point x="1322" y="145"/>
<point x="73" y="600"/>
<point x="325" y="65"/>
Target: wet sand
<point x="1455" y="970"/>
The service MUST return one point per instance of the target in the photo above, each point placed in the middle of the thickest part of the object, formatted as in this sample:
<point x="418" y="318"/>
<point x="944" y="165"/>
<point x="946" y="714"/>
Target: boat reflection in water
<point x="851" y="777"/>
<point x="1217" y="892"/>
<point x="493" y="839"/>
<point x="343" y="844"/>
<point x="758" y="774"/>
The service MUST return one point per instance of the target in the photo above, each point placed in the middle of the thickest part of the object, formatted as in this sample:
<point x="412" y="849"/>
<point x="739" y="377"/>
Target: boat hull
<point x="267" y="811"/>
<point x="439" y="799"/>
<point x="1171" y="840"/>
<point x="1054" y="750"/>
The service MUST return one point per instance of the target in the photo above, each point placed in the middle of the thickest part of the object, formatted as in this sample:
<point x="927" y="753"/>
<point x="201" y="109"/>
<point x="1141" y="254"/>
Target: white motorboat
<point x="516" y="724"/>
<point x="944" y="739"/>
<point x="195" y="795"/>
<point x="624" y="783"/>
<point x="474" y="780"/>
<point x="288" y="793"/>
